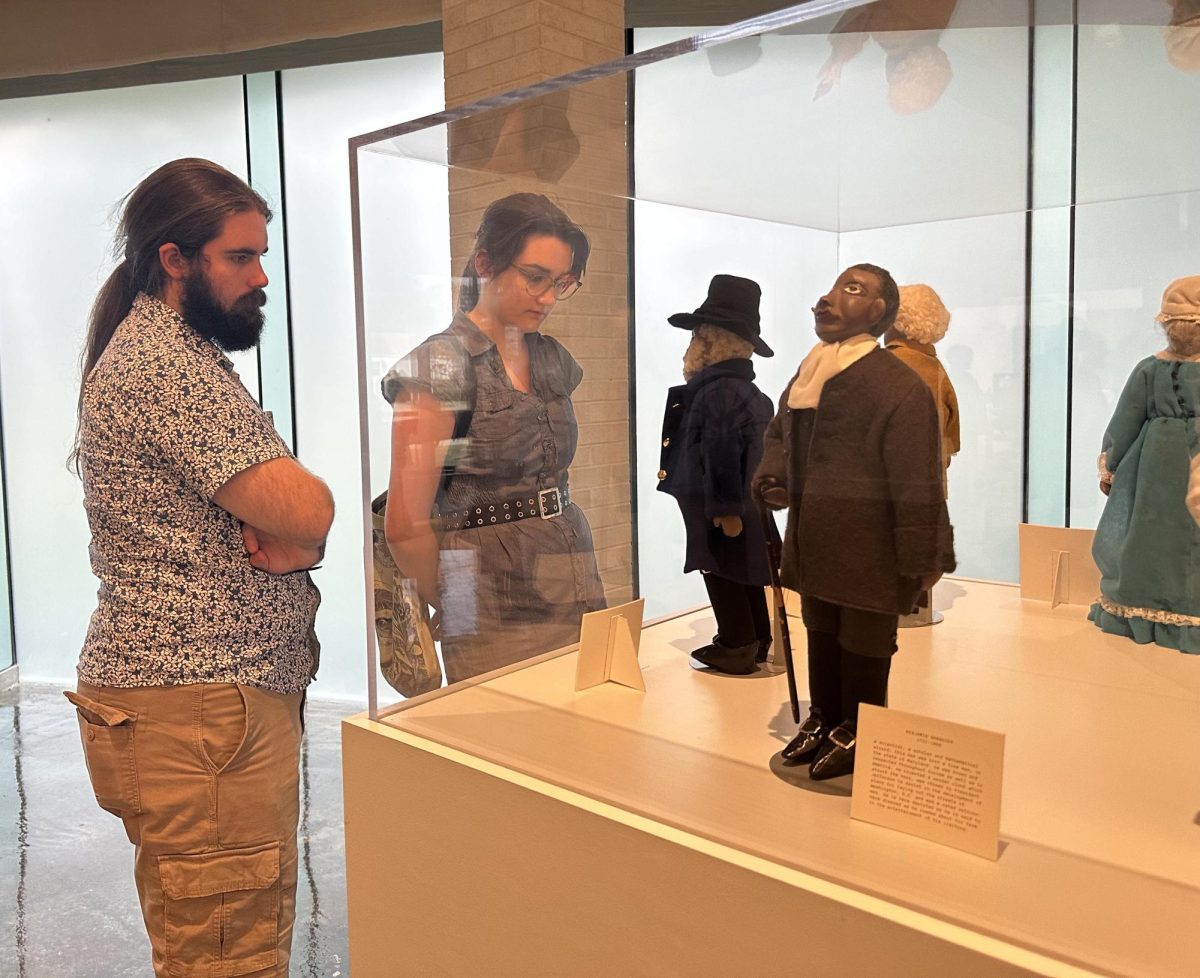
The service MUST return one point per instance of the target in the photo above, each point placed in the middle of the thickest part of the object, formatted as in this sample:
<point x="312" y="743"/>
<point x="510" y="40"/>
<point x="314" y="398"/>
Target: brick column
<point x="570" y="146"/>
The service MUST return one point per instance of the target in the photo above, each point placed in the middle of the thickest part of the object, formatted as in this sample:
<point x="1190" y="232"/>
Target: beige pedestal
<point x="516" y="827"/>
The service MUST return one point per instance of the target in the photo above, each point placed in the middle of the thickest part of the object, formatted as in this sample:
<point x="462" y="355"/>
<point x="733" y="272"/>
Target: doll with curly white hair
<point x="1147" y="544"/>
<point x="922" y="321"/>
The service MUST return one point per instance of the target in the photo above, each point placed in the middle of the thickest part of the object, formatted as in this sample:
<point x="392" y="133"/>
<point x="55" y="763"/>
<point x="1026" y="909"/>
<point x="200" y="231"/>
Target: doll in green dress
<point x="1147" y="545"/>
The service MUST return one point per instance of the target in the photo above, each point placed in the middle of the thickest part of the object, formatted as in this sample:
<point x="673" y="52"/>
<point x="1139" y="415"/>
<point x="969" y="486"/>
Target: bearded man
<point x="203" y="527"/>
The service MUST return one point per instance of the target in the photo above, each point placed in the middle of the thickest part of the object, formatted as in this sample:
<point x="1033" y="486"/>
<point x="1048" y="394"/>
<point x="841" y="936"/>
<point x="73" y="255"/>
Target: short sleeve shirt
<point x="165" y="423"/>
<point x="517" y="443"/>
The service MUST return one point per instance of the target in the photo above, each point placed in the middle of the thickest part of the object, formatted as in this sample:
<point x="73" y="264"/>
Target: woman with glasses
<point x="479" y="511"/>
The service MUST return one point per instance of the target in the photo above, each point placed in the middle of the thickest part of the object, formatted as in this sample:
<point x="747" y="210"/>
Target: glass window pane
<point x="1135" y="219"/>
<point x="322" y="108"/>
<point x="68" y="160"/>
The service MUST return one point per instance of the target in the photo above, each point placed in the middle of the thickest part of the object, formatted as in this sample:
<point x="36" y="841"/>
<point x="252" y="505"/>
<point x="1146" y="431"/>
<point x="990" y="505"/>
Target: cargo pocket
<point x="108" y="733"/>
<point x="221" y="911"/>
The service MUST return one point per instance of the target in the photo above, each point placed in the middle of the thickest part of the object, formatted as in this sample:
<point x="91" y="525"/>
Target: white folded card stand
<point x="608" y="647"/>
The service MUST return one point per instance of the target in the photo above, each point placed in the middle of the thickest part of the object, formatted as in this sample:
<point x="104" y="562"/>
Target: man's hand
<point x="731" y="526"/>
<point x="276" y="556"/>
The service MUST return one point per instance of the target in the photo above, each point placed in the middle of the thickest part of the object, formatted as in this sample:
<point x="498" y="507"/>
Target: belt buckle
<point x="554" y="508"/>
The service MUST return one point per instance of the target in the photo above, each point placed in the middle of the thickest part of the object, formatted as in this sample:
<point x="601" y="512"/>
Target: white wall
<point x="678" y="251"/>
<point x="754" y="141"/>
<point x="977" y="265"/>
<point x="68" y="160"/>
<point x="936" y="197"/>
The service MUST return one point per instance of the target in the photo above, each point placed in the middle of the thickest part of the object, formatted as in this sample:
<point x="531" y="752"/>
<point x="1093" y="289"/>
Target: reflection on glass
<point x="532" y="139"/>
<point x="917" y="69"/>
<point x="479" y="512"/>
<point x="1182" y="35"/>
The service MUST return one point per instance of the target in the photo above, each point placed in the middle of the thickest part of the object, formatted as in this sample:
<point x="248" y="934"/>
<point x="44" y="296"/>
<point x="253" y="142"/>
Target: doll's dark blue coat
<point x="712" y="441"/>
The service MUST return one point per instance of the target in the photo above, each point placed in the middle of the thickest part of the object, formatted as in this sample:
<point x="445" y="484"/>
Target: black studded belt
<point x="544" y="503"/>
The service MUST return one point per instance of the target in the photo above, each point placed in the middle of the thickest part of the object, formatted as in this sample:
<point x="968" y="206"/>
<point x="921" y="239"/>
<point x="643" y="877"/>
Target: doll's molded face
<point x="853" y="306"/>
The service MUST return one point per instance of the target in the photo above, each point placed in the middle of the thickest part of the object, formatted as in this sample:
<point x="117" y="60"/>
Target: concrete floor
<point x="68" y="907"/>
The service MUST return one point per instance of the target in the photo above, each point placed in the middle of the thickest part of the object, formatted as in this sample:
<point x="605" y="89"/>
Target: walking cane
<point x="785" y="636"/>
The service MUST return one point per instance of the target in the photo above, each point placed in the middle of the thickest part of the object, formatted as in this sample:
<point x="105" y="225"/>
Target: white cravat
<point x="826" y="360"/>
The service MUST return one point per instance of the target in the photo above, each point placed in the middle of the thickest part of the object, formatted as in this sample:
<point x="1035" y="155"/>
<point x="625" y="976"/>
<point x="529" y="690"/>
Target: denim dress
<point x="511" y="588"/>
<point x="1147" y="543"/>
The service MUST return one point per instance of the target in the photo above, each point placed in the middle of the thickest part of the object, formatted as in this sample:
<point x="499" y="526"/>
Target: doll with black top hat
<point x="853" y="454"/>
<point x="711" y="445"/>
<point x="1147" y="543"/>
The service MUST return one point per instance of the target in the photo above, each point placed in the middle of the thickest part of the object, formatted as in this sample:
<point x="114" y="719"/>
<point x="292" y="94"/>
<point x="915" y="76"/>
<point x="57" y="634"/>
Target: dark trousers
<point x="741" y="612"/>
<point x="849" y="658"/>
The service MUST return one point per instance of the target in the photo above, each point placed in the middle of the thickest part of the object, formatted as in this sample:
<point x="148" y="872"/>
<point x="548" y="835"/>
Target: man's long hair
<point x="186" y="203"/>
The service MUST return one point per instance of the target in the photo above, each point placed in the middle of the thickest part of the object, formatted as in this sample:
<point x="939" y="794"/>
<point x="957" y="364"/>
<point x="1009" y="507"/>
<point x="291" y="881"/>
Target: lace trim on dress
<point x="1149" y="614"/>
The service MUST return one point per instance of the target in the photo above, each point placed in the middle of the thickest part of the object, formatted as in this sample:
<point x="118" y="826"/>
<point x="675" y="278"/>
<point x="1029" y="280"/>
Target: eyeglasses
<point x="537" y="283"/>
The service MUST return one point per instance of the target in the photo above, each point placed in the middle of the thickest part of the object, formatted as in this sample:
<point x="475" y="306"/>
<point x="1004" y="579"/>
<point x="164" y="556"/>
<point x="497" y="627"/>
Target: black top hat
<point x="732" y="304"/>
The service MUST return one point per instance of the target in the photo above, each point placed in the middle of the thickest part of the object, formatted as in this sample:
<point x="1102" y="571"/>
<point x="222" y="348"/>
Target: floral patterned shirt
<point x="165" y="423"/>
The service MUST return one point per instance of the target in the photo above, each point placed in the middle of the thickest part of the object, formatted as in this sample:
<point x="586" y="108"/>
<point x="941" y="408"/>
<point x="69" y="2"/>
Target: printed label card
<point x="931" y="778"/>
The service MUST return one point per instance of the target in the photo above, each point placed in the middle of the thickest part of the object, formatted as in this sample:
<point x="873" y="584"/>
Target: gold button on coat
<point x="662" y="474"/>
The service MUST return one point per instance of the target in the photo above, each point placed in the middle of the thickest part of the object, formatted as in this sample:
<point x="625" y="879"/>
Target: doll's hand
<point x="828" y="77"/>
<point x="776" y="497"/>
<point x="927" y="582"/>
<point x="771" y="493"/>
<point x="731" y="526"/>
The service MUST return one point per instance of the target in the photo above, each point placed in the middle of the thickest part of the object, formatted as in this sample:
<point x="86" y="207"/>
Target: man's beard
<point x="233" y="329"/>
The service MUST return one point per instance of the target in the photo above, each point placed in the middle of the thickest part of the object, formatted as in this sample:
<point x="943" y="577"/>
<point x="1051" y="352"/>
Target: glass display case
<point x="1031" y="162"/>
<point x="1026" y="162"/>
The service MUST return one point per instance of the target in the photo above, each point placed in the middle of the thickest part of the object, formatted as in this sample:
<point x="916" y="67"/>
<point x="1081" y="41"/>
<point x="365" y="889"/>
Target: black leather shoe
<point x="735" y="661"/>
<point x="836" y="757"/>
<point x="804" y="746"/>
